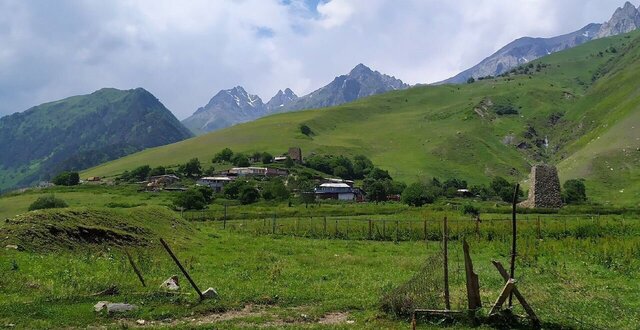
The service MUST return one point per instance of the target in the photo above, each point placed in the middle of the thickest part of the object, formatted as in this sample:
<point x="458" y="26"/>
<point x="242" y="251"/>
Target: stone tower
<point x="545" y="188"/>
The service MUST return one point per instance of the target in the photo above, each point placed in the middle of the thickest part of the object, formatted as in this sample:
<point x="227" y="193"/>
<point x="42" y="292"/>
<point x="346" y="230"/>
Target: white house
<point x="340" y="191"/>
<point x="214" y="182"/>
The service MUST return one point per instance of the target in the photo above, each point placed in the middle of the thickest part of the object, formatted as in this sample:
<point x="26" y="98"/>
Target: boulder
<point x="171" y="284"/>
<point x="210" y="293"/>
<point x="113" y="307"/>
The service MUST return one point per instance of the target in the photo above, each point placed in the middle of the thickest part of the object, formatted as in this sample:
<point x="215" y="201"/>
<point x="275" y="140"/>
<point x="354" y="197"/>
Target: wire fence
<point x="429" y="229"/>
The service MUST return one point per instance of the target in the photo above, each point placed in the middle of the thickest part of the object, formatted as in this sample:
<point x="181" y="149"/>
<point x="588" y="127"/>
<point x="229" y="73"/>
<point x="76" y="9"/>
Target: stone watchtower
<point x="545" y="188"/>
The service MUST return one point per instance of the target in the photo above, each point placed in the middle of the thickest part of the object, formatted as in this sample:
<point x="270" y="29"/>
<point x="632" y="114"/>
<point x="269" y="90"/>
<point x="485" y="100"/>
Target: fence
<point x="430" y="229"/>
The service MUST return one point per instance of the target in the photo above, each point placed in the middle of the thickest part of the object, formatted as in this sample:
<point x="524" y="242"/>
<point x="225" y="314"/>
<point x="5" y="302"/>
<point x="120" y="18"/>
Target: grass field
<point x="582" y="99"/>
<point x="577" y="280"/>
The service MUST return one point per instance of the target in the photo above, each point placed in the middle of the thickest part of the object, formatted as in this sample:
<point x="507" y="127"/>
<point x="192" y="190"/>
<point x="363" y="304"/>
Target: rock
<point x="100" y="306"/>
<point x="120" y="307"/>
<point x="113" y="307"/>
<point x="141" y="322"/>
<point x="12" y="247"/>
<point x="171" y="284"/>
<point x="210" y="293"/>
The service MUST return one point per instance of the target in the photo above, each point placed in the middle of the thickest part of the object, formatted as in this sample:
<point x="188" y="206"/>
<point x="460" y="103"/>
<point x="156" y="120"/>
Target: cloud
<point x="185" y="52"/>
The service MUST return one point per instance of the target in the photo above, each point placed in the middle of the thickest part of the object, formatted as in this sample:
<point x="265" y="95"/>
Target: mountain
<point x="234" y="106"/>
<point x="82" y="131"/>
<point x="281" y="99"/>
<point x="227" y="108"/>
<point x="359" y="83"/>
<point x="577" y="109"/>
<point x="524" y="50"/>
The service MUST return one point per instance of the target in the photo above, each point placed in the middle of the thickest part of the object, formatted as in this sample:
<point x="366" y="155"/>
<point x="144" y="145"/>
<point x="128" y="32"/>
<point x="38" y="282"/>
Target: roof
<point x="216" y="178"/>
<point x="335" y="185"/>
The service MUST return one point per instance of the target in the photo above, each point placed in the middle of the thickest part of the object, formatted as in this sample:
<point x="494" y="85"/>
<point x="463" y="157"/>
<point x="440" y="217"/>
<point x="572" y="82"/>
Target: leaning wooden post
<point x="135" y="269"/>
<point x="473" y="285"/>
<point x="445" y="239"/>
<point x="513" y="239"/>
<point x="184" y="271"/>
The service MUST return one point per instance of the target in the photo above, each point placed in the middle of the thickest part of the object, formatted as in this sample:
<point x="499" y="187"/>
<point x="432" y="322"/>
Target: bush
<point x="248" y="195"/>
<point x="192" y="168"/>
<point x="418" y="194"/>
<point x="223" y="156"/>
<point x="275" y="189"/>
<point x="470" y="209"/>
<point x="240" y="160"/>
<point x="267" y="158"/>
<point x="574" y="192"/>
<point x="47" y="202"/>
<point x="306" y="130"/>
<point x="504" y="189"/>
<point x="66" y="179"/>
<point x="191" y="199"/>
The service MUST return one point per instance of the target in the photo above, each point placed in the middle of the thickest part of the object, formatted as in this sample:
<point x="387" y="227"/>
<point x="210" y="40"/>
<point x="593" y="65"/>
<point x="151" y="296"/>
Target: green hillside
<point x="546" y="111"/>
<point x="80" y="132"/>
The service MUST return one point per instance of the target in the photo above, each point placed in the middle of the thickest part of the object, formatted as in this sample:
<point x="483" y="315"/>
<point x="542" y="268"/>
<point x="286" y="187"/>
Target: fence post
<point x="445" y="239"/>
<point x="224" y="220"/>
<point x="297" y="225"/>
<point x="370" y="228"/>
<point x="324" y="231"/>
<point x="273" y="226"/>
<point x="397" y="225"/>
<point x="347" y="231"/>
<point x="425" y="230"/>
<point x="335" y="234"/>
<point x="539" y="229"/>
<point x="384" y="229"/>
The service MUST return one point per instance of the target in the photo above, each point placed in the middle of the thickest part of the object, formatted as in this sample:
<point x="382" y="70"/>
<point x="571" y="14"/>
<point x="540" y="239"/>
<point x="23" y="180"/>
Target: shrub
<point x="306" y="130"/>
<point x="470" y="209"/>
<point x="248" y="195"/>
<point x="192" y="168"/>
<point x="240" y="160"/>
<point x="574" y="192"/>
<point x="191" y="199"/>
<point x="223" y="156"/>
<point x="47" y="202"/>
<point x="418" y="194"/>
<point x="275" y="189"/>
<point x="267" y="158"/>
<point x="66" y="179"/>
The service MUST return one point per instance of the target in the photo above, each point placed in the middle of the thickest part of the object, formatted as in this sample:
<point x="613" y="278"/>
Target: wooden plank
<point x="135" y="269"/>
<point x="445" y="240"/>
<point x="506" y="291"/>
<point x="473" y="284"/>
<point x="516" y="293"/>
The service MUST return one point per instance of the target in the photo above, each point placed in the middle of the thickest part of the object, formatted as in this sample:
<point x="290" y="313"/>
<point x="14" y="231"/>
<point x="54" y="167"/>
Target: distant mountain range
<point x="524" y="50"/>
<point x="82" y="131"/>
<point x="234" y="106"/>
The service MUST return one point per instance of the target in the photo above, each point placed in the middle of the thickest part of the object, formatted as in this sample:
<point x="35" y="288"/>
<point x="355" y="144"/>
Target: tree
<point x="267" y="158"/>
<point x="207" y="193"/>
<point x="140" y="173"/>
<point x="223" y="156"/>
<point x="275" y="190"/>
<point x="504" y="189"/>
<point x="361" y="166"/>
<point x="341" y="172"/>
<point x="289" y="163"/>
<point x="471" y="80"/>
<point x="160" y="170"/>
<point x="248" y="195"/>
<point x="192" y="168"/>
<point x="47" y="202"/>
<point x="240" y="160"/>
<point x="418" y="194"/>
<point x="377" y="192"/>
<point x="307" y="194"/>
<point x="191" y="199"/>
<point x="574" y="191"/>
<point x="232" y="190"/>
<point x="66" y="179"/>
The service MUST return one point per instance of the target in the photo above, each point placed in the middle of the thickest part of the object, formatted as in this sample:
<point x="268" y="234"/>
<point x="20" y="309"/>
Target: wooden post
<point x="336" y="229"/>
<point x="297" y="225"/>
<point x="184" y="271"/>
<point x="425" y="230"/>
<point x="384" y="229"/>
<point x="273" y="225"/>
<point x="135" y="269"/>
<point x="519" y="296"/>
<point x="370" y="229"/>
<point x="478" y="226"/>
<point x="397" y="225"/>
<point x="473" y="285"/>
<point x="506" y="292"/>
<point x="513" y="238"/>
<point x="224" y="221"/>
<point x="539" y="229"/>
<point x="325" y="227"/>
<point x="445" y="239"/>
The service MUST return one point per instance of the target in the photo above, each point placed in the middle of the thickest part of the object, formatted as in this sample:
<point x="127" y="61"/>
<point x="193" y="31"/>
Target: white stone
<point x="171" y="284"/>
<point x="210" y="293"/>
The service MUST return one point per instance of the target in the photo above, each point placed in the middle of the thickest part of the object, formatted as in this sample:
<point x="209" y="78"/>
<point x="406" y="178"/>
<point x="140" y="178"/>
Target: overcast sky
<point x="185" y="51"/>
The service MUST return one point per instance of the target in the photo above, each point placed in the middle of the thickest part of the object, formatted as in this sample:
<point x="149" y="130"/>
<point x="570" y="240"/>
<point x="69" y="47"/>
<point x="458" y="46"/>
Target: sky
<point x="184" y="52"/>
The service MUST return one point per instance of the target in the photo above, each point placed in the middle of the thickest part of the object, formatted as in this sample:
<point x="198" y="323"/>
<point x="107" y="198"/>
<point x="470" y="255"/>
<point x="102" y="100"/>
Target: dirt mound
<point x="73" y="228"/>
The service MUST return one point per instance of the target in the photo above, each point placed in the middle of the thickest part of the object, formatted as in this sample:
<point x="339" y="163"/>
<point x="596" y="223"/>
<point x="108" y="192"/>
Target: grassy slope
<point x="425" y="131"/>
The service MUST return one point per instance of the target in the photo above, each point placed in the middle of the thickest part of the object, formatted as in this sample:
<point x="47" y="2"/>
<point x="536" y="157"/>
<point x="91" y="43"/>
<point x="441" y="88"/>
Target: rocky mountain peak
<point x="281" y="99"/>
<point x="625" y="19"/>
<point x="360" y="69"/>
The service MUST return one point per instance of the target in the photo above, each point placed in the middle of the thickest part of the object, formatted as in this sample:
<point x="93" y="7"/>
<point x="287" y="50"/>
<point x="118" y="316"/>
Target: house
<point x="295" y="153"/>
<point x="164" y="180"/>
<point x="340" y="191"/>
<point x="279" y="159"/>
<point x="93" y="179"/>
<point x="216" y="183"/>
<point x="257" y="171"/>
<point x="332" y="180"/>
